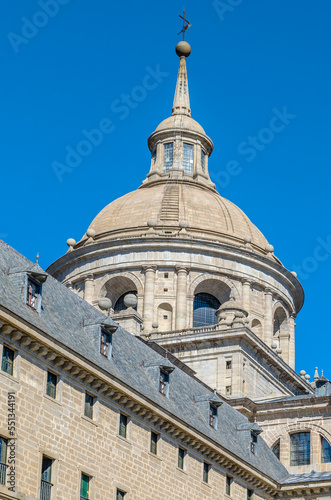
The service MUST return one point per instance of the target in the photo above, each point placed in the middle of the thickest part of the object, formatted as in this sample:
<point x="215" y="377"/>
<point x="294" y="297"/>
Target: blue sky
<point x="67" y="70"/>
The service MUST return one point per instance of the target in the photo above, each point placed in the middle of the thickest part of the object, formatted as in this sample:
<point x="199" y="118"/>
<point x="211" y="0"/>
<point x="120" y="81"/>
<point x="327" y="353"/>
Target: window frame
<point x="3" y="464"/>
<point x="153" y="446"/>
<point x="120" y="494"/>
<point x="93" y="399"/>
<point x="274" y="447"/>
<point x="107" y="347"/>
<point x="164" y="378"/>
<point x="126" y="426"/>
<point x="253" y="442"/>
<point x="188" y="159"/>
<point x="12" y="361"/>
<point x="181" y="460"/>
<point x="48" y="386"/>
<point x="46" y="481"/>
<point x="34" y="283"/>
<point x="228" y="485"/>
<point x="213" y="414"/>
<point x="324" y="440"/>
<point x="296" y="452"/>
<point x="88" y="497"/>
<point x="250" y="494"/>
<point x="206" y="472"/>
<point x="165" y="167"/>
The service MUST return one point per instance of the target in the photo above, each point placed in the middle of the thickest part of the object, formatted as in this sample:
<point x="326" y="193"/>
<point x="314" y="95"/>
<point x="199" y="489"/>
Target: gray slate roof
<point x="61" y="318"/>
<point x="308" y="477"/>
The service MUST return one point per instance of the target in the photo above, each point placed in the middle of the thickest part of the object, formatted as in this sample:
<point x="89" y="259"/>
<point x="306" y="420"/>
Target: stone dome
<point x="180" y="122"/>
<point x="206" y="214"/>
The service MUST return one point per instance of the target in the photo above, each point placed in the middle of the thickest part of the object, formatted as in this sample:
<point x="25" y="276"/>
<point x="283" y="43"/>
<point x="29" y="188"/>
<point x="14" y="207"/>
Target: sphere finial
<point x="183" y="49"/>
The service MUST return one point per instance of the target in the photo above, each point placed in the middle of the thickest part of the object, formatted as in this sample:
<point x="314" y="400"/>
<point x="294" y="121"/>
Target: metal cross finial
<point x="188" y="25"/>
<point x="37" y="258"/>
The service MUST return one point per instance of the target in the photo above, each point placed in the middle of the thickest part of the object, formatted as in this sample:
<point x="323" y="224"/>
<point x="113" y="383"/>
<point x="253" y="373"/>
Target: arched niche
<point x="116" y="287"/>
<point x="164" y="317"/>
<point x="280" y="324"/>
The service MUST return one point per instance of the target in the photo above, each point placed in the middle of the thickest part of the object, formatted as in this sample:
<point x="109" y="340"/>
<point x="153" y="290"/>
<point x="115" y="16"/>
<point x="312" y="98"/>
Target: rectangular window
<point x="188" y="153"/>
<point x="326" y="451"/>
<point x="120" y="495"/>
<point x="51" y="385"/>
<point x="228" y="390"/>
<point x="7" y="364"/>
<point x="206" y="469"/>
<point x="300" y="448"/>
<point x="154" y="439"/>
<point x="181" y="458"/>
<point x="168" y="154"/>
<point x="203" y="161"/>
<point x="253" y="442"/>
<point x="46" y="477"/>
<point x="88" y="408"/>
<point x="85" y="487"/>
<point x="250" y="494"/>
<point x="105" y="343"/>
<point x="32" y="293"/>
<point x="164" y="383"/>
<point x="228" y="485"/>
<point x="213" y="416"/>
<point x="228" y="365"/>
<point x="123" y="425"/>
<point x="3" y="460"/>
<point x="166" y="275"/>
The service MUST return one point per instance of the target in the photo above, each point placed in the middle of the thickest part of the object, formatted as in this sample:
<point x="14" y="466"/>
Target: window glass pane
<point x="276" y="449"/>
<point x="7" y="360"/>
<point x="119" y="495"/>
<point x="212" y="415"/>
<point x="181" y="455"/>
<point x="206" y="472"/>
<point x="105" y="341"/>
<point x="249" y="494"/>
<point x="153" y="443"/>
<point x="204" y="310"/>
<point x="228" y="485"/>
<point x="203" y="161"/>
<point x="168" y="153"/>
<point x="326" y="451"/>
<point x="164" y="382"/>
<point x="120" y="306"/>
<point x="123" y="425"/>
<point x="300" y="448"/>
<point x="84" y="488"/>
<point x="51" y="385"/>
<point x="46" y="469"/>
<point x="188" y="153"/>
<point x="3" y="450"/>
<point x="33" y="291"/>
<point x="89" y="400"/>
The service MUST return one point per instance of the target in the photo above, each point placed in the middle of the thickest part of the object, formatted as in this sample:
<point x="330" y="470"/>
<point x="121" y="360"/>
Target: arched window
<point x="204" y="309"/>
<point x="326" y="451"/>
<point x="276" y="449"/>
<point x="300" y="448"/>
<point x="120" y="306"/>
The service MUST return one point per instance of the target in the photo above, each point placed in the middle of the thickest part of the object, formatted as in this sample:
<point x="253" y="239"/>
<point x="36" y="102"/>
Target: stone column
<point x="291" y="331"/>
<point x="246" y="298"/>
<point x="89" y="288"/>
<point x="149" y="297"/>
<point x="181" y="298"/>
<point x="268" y="319"/>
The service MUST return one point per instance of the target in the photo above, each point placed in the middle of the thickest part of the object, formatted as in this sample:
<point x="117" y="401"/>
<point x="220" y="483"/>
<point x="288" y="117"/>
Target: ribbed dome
<point x="168" y="207"/>
<point x="180" y="122"/>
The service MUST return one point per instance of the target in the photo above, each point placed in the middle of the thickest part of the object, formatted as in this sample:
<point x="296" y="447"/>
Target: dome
<point x="181" y="122"/>
<point x="202" y="212"/>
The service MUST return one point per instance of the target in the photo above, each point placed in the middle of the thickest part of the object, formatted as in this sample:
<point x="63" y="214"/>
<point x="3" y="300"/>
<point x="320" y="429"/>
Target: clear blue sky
<point x="65" y="71"/>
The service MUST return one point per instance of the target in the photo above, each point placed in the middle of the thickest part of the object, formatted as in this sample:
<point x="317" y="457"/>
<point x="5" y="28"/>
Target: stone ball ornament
<point x="90" y="233"/>
<point x="248" y="239"/>
<point x="71" y="242"/>
<point x="274" y="345"/>
<point x="104" y="303"/>
<point x="183" y="224"/>
<point x="279" y="350"/>
<point x="151" y="223"/>
<point x="183" y="49"/>
<point x="130" y="300"/>
<point x="155" y="325"/>
<point x="269" y="248"/>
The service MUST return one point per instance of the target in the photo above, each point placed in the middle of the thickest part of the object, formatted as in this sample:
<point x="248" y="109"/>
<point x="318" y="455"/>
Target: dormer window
<point x="213" y="416"/>
<point x="188" y="154"/>
<point x="105" y="343"/>
<point x="203" y="161"/>
<point x="33" y="293"/>
<point x="168" y="156"/>
<point x="253" y="442"/>
<point x="164" y="382"/>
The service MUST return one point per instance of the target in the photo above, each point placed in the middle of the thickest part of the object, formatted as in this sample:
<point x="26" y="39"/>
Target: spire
<point x="181" y="105"/>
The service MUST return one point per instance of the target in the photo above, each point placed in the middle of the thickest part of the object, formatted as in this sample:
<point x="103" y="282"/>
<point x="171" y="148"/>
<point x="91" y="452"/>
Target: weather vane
<point x="185" y="27"/>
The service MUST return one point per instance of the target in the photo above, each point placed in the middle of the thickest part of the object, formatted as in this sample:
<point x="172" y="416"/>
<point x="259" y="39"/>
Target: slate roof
<point x="308" y="477"/>
<point x="61" y="319"/>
